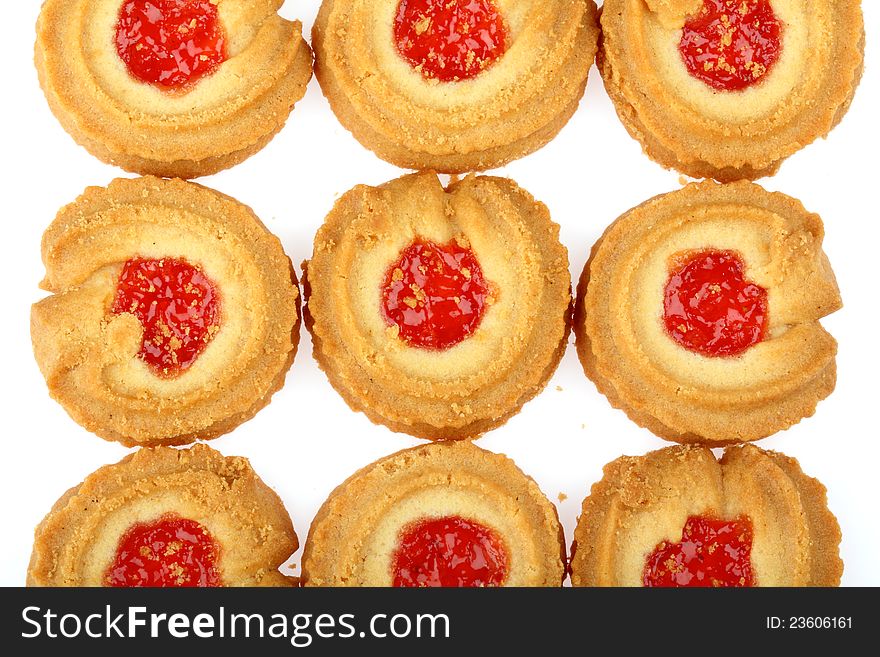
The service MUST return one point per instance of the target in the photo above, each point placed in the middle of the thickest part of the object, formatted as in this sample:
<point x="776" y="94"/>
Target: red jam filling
<point x="731" y="44"/>
<point x="178" y="307"/>
<point x="449" y="40"/>
<point x="169" y="552"/>
<point x="435" y="295"/>
<point x="170" y="43"/>
<point x="710" y="308"/>
<point x="712" y="553"/>
<point x="449" y="552"/>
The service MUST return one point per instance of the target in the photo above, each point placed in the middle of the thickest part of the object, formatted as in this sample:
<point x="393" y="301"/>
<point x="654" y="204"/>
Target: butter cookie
<point x="444" y="514"/>
<point x="454" y="86"/>
<point x="177" y="88"/>
<point x="438" y="312"/>
<point x="680" y="518"/>
<point x="174" y="313"/>
<point x="163" y="517"/>
<point x="728" y="89"/>
<point x="698" y="314"/>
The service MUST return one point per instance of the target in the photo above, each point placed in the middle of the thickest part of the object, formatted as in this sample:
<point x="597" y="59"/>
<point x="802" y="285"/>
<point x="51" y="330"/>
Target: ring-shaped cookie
<point x="444" y="514"/>
<point x="679" y="517"/>
<point x="506" y="110"/>
<point x="213" y="123"/>
<point x="659" y="378"/>
<point x="99" y="354"/>
<point x="800" y="90"/>
<point x="507" y="247"/>
<point x="166" y="517"/>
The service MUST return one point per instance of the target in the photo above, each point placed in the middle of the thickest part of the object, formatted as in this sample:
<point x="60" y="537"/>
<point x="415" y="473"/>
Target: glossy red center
<point x="169" y="552"/>
<point x="451" y="552"/>
<point x="713" y="553"/>
<point x="178" y="307"/>
<point x="170" y="43"/>
<point x="449" y="40"/>
<point x="710" y="308"/>
<point x="731" y="44"/>
<point x="435" y="295"/>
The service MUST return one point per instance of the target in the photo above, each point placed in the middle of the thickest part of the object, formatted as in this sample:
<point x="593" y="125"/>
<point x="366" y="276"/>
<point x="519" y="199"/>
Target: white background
<point x="307" y="440"/>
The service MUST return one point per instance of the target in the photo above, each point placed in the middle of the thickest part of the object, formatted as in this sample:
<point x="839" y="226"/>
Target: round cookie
<point x="438" y="312"/>
<point x="174" y="313"/>
<point x="177" y="88"/>
<point x="679" y="517"/>
<point x="454" y="86"/>
<point x="698" y="314"/>
<point x="444" y="514"/>
<point x="728" y="89"/>
<point x="168" y="518"/>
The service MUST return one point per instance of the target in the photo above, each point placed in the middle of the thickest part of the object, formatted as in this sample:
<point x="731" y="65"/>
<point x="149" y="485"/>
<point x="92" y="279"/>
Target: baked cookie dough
<point x="174" y="313"/>
<point x="728" y="89"/>
<point x="443" y="514"/>
<point x="679" y="517"/>
<point x="438" y="312"/>
<point x="454" y="86"/>
<point x="698" y="314"/>
<point x="177" y="88"/>
<point x="166" y="518"/>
